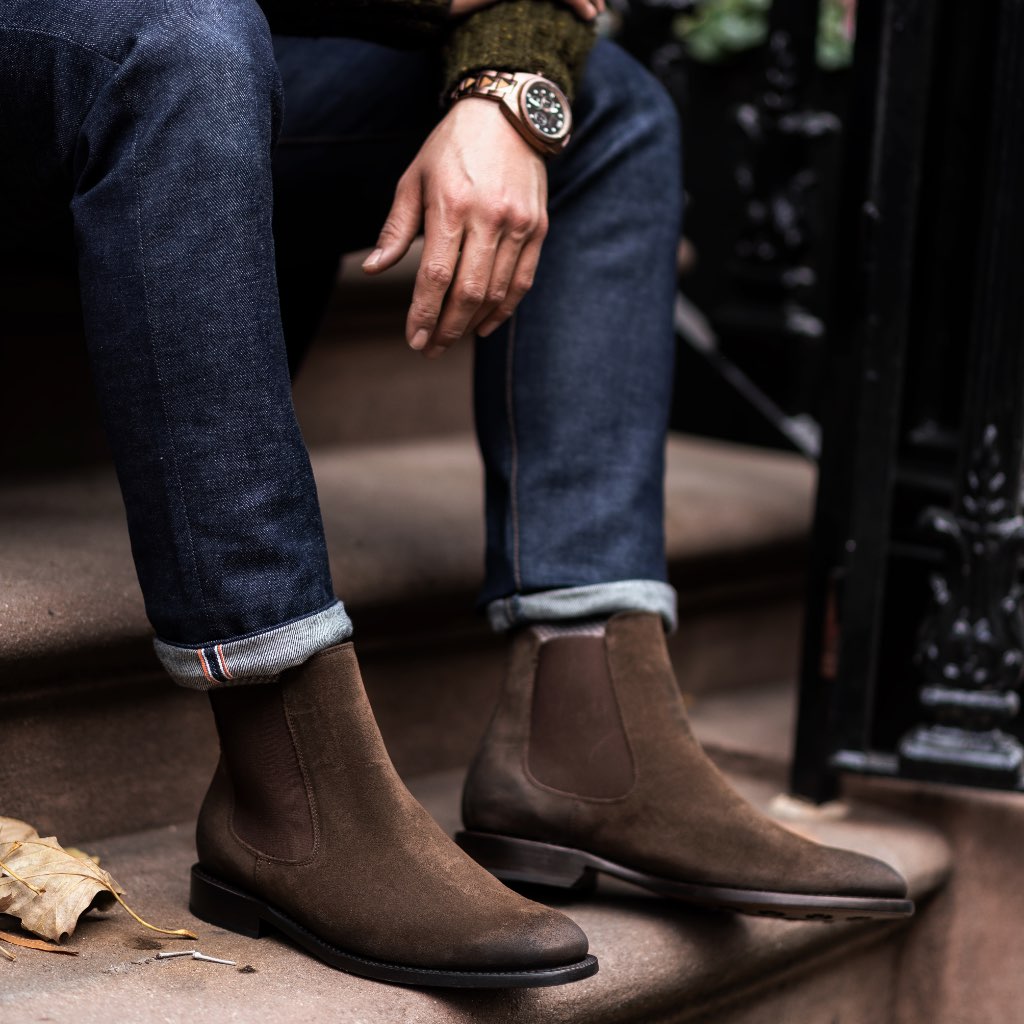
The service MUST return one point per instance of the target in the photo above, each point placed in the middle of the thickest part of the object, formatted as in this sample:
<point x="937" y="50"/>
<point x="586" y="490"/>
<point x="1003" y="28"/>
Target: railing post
<point x="971" y="648"/>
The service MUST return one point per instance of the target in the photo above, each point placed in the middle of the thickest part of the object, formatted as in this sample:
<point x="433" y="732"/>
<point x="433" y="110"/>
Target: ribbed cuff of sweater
<point x="542" y="36"/>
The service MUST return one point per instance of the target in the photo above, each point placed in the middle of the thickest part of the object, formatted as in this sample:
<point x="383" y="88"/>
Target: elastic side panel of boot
<point x="578" y="742"/>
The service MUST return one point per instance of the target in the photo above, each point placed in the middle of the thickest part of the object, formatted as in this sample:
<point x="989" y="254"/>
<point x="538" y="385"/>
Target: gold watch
<point x="535" y="106"/>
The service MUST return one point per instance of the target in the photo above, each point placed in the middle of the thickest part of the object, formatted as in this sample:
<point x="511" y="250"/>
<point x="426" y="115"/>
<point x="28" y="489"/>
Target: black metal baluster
<point x="972" y="647"/>
<point x="867" y="345"/>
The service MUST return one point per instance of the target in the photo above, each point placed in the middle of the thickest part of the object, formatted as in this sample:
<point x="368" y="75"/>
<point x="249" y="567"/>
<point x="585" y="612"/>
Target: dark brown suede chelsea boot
<point x="589" y="766"/>
<point x="308" y="830"/>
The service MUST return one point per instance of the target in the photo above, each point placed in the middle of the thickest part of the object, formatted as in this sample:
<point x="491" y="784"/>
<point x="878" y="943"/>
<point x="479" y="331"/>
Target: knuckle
<point x="496" y="295"/>
<point x="524" y="282"/>
<point x="499" y="212"/>
<point x="423" y="314"/>
<point x="436" y="273"/>
<point x="447" y="336"/>
<point x="471" y="293"/>
<point x="458" y="202"/>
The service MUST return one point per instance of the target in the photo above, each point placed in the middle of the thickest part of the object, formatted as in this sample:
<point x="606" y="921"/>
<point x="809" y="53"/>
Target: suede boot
<point x="590" y="766"/>
<point x="308" y="830"/>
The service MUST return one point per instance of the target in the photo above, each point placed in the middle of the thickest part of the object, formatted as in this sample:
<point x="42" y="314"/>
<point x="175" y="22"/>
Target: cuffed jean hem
<point x="258" y="658"/>
<point x="588" y="602"/>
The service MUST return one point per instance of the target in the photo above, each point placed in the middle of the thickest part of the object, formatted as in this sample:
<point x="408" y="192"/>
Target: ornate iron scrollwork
<point x="972" y="647"/>
<point x="777" y="179"/>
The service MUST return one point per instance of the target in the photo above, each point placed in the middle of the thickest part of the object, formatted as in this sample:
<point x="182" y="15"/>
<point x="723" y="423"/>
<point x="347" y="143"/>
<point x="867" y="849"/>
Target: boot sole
<point x="529" y="862"/>
<point x="226" y="906"/>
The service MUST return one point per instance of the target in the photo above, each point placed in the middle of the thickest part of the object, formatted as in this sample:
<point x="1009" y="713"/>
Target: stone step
<point x="85" y="711"/>
<point x="962" y="935"/>
<point x="660" y="963"/>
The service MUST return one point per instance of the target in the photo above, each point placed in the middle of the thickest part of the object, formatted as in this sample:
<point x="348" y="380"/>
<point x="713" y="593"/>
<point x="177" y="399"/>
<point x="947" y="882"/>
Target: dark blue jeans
<point x="153" y="124"/>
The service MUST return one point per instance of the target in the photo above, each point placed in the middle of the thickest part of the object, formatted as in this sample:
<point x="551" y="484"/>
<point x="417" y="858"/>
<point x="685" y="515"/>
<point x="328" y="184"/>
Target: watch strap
<point x="496" y="84"/>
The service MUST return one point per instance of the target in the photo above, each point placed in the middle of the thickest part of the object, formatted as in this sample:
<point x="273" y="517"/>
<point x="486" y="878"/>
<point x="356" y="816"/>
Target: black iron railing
<point x="913" y="653"/>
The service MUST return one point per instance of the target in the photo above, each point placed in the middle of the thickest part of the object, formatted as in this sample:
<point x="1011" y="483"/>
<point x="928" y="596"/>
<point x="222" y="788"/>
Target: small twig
<point x="178" y="952"/>
<point x="7" y="953"/>
<point x="212" y="959"/>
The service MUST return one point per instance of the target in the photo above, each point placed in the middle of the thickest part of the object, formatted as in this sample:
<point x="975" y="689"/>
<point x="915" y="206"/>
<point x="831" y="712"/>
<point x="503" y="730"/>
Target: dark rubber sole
<point x="528" y="862"/>
<point x="226" y="906"/>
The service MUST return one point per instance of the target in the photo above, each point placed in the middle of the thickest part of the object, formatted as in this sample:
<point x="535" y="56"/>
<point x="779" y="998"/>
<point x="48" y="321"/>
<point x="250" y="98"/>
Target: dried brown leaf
<point x="48" y="947"/>
<point x="48" y="889"/>
<point x="13" y="831"/>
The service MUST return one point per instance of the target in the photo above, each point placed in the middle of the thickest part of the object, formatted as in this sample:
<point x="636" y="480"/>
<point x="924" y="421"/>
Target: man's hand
<point x="586" y="9"/>
<point x="480" y="193"/>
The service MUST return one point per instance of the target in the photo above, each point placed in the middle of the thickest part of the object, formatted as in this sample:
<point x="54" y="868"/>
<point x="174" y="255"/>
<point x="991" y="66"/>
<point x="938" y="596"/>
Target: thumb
<point x="401" y="227"/>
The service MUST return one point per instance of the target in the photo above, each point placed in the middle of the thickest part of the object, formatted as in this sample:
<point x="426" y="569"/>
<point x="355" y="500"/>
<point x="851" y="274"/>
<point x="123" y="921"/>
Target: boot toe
<point x="536" y="938"/>
<point x="858" y="875"/>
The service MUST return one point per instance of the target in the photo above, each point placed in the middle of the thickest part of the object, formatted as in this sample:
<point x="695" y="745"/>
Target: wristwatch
<point x="535" y="107"/>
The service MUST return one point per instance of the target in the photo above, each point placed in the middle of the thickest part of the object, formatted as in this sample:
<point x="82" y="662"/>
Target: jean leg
<point x="573" y="394"/>
<point x="164" y="115"/>
<point x="355" y="116"/>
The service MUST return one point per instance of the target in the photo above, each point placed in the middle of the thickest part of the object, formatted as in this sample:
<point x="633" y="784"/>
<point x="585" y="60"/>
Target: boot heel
<point x="522" y="860"/>
<point x="218" y="904"/>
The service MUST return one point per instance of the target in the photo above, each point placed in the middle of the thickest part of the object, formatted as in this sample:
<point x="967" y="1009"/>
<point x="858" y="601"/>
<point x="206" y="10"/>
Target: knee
<point x="622" y="95"/>
<point x="214" y="56"/>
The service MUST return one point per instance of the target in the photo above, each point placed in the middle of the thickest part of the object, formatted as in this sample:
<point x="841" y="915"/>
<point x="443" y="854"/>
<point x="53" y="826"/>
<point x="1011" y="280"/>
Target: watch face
<point x="545" y="110"/>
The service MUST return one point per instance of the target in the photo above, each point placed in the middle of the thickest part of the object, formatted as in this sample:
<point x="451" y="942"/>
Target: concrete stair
<point x="659" y="963"/>
<point x="99" y="748"/>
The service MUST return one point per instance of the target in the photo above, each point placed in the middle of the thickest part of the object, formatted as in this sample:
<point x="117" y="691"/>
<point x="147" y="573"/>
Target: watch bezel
<point x="555" y="141"/>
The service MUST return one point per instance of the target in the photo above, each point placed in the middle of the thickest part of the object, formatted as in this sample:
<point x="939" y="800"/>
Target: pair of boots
<point x="588" y="767"/>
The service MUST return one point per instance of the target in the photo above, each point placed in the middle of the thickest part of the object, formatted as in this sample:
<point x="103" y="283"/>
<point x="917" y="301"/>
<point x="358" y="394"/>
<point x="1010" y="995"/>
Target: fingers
<point x="495" y="271"/>
<point x="586" y="9"/>
<point x="401" y="227"/>
<point x="505" y="262"/>
<point x="520" y="282"/>
<point x="468" y="290"/>
<point x="442" y="239"/>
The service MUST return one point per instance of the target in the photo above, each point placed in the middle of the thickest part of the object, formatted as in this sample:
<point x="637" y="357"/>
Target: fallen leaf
<point x="12" y="830"/>
<point x="49" y="947"/>
<point x="48" y="889"/>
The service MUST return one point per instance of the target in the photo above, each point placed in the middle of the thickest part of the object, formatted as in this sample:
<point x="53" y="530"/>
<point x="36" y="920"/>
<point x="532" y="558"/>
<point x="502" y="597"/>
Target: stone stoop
<point x="85" y="713"/>
<point x="660" y="963"/>
<point x="958" y="963"/>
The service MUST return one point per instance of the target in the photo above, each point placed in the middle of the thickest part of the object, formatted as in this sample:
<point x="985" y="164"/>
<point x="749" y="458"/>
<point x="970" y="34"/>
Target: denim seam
<point x="156" y="360"/>
<point x="517" y="575"/>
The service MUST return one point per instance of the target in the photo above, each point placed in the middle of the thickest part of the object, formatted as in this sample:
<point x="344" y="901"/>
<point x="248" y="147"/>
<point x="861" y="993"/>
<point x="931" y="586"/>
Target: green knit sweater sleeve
<point x="520" y="35"/>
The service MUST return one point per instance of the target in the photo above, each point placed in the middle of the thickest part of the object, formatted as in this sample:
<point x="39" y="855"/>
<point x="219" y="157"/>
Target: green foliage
<point x="718" y="29"/>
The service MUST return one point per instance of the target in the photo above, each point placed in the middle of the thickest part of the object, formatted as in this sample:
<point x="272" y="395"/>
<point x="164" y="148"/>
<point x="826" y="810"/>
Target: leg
<point x="572" y="396"/>
<point x="356" y="113"/>
<point x="589" y="764"/>
<point x="149" y="106"/>
<point x="161" y="114"/>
